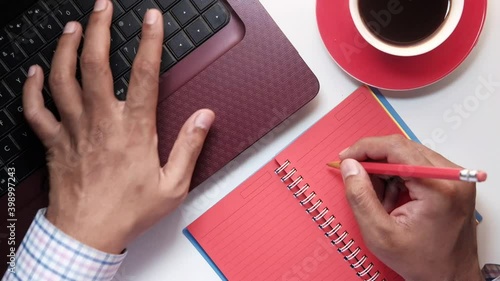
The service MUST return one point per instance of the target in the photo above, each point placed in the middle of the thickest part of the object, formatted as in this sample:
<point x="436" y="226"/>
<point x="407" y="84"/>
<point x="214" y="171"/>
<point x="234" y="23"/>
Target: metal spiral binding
<point x="327" y="222"/>
<point x="321" y="214"/>
<point x="340" y="241"/>
<point x="301" y="191"/>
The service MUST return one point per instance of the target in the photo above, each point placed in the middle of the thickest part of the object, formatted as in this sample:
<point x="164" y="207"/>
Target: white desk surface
<point x="164" y="253"/>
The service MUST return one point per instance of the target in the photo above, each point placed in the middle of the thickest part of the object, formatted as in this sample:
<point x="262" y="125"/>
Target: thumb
<point x="370" y="214"/>
<point x="187" y="147"/>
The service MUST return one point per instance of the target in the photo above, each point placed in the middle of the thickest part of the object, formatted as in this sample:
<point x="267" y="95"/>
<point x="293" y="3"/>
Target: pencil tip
<point x="334" y="164"/>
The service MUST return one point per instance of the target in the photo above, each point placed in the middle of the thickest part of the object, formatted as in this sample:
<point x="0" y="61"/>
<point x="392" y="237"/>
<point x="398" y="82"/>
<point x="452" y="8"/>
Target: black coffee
<point x="403" y="22"/>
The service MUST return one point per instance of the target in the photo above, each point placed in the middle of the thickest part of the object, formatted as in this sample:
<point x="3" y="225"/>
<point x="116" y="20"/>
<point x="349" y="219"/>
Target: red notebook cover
<point x="291" y="220"/>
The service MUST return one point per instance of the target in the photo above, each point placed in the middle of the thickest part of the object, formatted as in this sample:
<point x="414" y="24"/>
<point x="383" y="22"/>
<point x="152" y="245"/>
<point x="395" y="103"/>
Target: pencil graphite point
<point x="334" y="164"/>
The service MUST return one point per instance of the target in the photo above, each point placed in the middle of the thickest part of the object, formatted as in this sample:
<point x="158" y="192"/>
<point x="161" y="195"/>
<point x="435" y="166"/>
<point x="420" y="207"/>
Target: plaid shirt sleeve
<point x="491" y="272"/>
<point x="46" y="253"/>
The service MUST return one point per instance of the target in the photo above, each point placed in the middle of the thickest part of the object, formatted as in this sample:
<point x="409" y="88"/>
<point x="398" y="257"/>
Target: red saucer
<point x="375" y="68"/>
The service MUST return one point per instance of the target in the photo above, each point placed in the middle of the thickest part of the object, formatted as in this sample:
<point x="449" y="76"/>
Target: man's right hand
<point x="431" y="237"/>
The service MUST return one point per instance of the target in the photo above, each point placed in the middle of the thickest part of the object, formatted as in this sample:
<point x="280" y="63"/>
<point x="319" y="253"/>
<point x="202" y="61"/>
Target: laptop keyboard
<point x="32" y="38"/>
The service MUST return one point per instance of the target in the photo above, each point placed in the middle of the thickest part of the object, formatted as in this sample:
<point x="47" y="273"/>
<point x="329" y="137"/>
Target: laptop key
<point x="67" y="12"/>
<point x="170" y="26"/>
<point x="49" y="28"/>
<point x="4" y="178"/>
<point x="5" y="123"/>
<point x="53" y="4"/>
<point x="121" y="89"/>
<point x="84" y="21"/>
<point x="184" y="12"/>
<point x="167" y="60"/>
<point x="117" y="10"/>
<point x="4" y="38"/>
<point x="198" y="30"/>
<point x="216" y="16"/>
<point x="130" y="49"/>
<point x="36" y="59"/>
<point x="127" y="4"/>
<point x="49" y="51"/>
<point x="166" y="4"/>
<point x="16" y="110"/>
<point x="17" y="26"/>
<point x="180" y="45"/>
<point x="3" y="70"/>
<point x="11" y="55"/>
<point x="118" y="64"/>
<point x="36" y="12"/>
<point x="5" y="95"/>
<point x="15" y="81"/>
<point x="30" y="42"/>
<point x="126" y="76"/>
<point x="128" y="24"/>
<point x="24" y="137"/>
<point x="27" y="162"/>
<point x="8" y="149"/>
<point x="202" y="4"/>
<point x="85" y="5"/>
<point x="116" y="39"/>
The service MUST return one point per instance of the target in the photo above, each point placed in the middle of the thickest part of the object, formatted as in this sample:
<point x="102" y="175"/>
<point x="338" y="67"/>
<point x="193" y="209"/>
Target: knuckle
<point x="93" y="62"/>
<point x="194" y="142"/>
<point x="58" y="78"/>
<point x="146" y="74"/>
<point x="397" y="140"/>
<point x="31" y="115"/>
<point x="146" y="69"/>
<point x="150" y="34"/>
<point x="449" y="191"/>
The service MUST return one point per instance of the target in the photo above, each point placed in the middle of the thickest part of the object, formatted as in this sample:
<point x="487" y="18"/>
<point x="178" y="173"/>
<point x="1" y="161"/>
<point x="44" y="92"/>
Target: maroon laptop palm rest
<point x="248" y="73"/>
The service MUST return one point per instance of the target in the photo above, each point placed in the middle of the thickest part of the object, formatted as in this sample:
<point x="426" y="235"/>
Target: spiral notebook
<point x="290" y="220"/>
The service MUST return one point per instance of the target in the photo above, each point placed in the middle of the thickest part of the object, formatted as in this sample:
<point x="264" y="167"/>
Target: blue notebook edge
<point x="405" y="127"/>
<point x="204" y="254"/>
<point x="394" y="114"/>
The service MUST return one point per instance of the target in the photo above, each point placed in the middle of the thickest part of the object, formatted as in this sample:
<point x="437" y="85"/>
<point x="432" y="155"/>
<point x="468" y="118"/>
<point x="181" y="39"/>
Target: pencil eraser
<point x="481" y="176"/>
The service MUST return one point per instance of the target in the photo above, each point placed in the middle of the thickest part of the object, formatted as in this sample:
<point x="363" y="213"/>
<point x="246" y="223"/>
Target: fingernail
<point x="32" y="70"/>
<point x="343" y="151"/>
<point x="70" y="27"/>
<point x="204" y="120"/>
<point x="100" y="5"/>
<point x="151" y="17"/>
<point x="349" y="167"/>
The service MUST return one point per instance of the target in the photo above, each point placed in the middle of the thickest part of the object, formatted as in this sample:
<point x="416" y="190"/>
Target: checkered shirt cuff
<point x="491" y="272"/>
<point x="46" y="253"/>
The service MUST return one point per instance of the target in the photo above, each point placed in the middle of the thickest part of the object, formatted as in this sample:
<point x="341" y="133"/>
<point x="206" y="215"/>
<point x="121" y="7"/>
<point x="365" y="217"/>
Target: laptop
<point x="226" y="55"/>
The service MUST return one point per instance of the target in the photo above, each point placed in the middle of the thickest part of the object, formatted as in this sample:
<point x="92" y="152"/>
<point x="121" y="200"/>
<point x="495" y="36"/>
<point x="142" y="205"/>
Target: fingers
<point x="42" y="121"/>
<point x="182" y="160"/>
<point x="143" y="90"/>
<point x="63" y="84"/>
<point x="435" y="158"/>
<point x="97" y="79"/>
<point x="371" y="216"/>
<point x="393" y="149"/>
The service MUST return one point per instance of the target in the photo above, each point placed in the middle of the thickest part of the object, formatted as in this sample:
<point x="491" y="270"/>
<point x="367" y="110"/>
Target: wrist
<point x="469" y="274"/>
<point x="93" y="236"/>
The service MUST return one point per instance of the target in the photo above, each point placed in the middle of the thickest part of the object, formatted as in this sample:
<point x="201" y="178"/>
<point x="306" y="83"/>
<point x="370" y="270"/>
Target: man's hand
<point x="107" y="186"/>
<point x="431" y="237"/>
